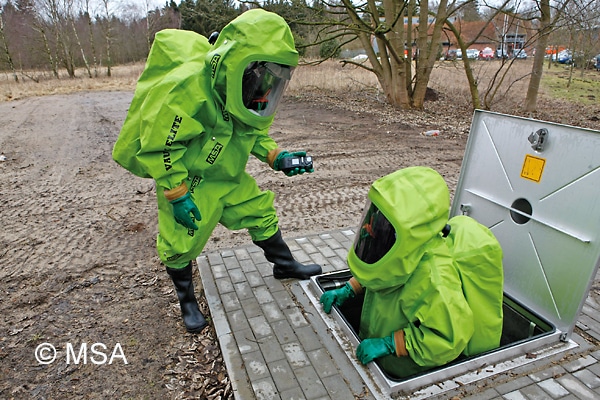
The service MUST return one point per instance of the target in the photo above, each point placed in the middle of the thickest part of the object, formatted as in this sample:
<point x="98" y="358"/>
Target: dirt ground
<point x="78" y="264"/>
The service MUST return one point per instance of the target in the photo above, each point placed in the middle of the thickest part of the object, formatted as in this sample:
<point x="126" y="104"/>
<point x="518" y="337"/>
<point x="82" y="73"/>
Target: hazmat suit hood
<point x="256" y="35"/>
<point x="414" y="202"/>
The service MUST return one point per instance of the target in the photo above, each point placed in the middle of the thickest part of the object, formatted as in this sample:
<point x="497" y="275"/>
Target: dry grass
<point x="448" y="78"/>
<point x="35" y="83"/>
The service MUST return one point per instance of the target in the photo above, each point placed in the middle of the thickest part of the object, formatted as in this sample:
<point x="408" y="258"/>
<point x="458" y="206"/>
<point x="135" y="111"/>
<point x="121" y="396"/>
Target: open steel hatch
<point x="536" y="185"/>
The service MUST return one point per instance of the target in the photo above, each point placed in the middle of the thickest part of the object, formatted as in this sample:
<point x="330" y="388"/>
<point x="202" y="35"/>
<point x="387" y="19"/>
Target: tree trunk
<point x="85" y="61"/>
<point x="427" y="48"/>
<point x="9" y="60"/>
<point x="538" y="60"/>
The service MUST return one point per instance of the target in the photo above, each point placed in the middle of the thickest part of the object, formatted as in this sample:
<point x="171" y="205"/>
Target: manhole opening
<point x="524" y="206"/>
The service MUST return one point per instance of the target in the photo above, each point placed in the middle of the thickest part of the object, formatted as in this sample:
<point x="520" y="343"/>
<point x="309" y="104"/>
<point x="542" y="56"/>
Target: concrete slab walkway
<point x="276" y="346"/>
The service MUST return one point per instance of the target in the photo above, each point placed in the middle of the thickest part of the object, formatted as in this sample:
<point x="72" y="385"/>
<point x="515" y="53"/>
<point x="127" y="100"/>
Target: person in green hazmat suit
<point x="199" y="110"/>
<point x="432" y="287"/>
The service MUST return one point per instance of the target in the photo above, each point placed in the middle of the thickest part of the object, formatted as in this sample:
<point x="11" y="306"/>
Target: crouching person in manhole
<point x="432" y="288"/>
<point x="201" y="107"/>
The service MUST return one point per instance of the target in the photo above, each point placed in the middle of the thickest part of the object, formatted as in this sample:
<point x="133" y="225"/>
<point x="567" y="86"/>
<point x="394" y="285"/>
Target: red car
<point x="486" y="54"/>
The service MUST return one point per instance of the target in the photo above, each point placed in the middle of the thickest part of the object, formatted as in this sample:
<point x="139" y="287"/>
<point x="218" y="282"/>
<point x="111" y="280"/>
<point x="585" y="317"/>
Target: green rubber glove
<point x="295" y="171"/>
<point x="182" y="207"/>
<point x="337" y="297"/>
<point x="370" y="349"/>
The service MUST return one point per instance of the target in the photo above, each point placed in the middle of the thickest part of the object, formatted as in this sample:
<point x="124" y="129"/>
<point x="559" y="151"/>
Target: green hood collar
<point x="256" y="35"/>
<point x="416" y="201"/>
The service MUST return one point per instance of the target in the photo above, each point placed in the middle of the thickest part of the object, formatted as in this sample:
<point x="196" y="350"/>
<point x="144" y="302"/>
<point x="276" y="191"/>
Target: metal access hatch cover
<point x="537" y="186"/>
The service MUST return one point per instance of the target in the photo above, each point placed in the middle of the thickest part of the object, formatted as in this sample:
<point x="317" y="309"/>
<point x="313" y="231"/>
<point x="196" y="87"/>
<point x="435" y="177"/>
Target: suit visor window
<point x="263" y="85"/>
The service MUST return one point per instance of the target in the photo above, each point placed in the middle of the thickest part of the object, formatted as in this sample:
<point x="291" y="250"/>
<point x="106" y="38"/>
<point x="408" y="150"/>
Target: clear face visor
<point x="375" y="237"/>
<point x="263" y="84"/>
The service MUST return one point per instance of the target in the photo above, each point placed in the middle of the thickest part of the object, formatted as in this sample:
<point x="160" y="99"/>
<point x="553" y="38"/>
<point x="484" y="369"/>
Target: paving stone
<point x="293" y="394"/>
<point x="337" y="387"/>
<point x="284" y="300"/>
<point x="534" y="392"/>
<point x="553" y="388"/>
<point x="238" y="320"/>
<point x="265" y="390"/>
<point x="489" y="394"/>
<point x="237" y="275"/>
<point x="513" y="385"/>
<point x="260" y="327"/>
<point x="515" y="395"/>
<point x="337" y="264"/>
<point x="342" y="254"/>
<point x="551" y="372"/>
<point x="284" y="332"/>
<point x="214" y="259"/>
<point x="580" y="363"/>
<point x="294" y="315"/>
<point x="265" y="269"/>
<point x="323" y="363"/>
<point x="272" y="312"/>
<point x="283" y="376"/>
<point x="224" y="285"/>
<point x="230" y="261"/>
<point x="251" y="307"/>
<point x="254" y="279"/>
<point x="309" y="382"/>
<point x="248" y="265"/>
<point x="326" y="251"/>
<point x="271" y="349"/>
<point x="302" y="256"/>
<point x="575" y="387"/>
<point x="588" y="378"/>
<point x="241" y="254"/>
<point x="308" y="338"/>
<point x="256" y="367"/>
<point x="263" y="294"/>
<point x="219" y="271"/>
<point x="230" y="301"/>
<point x="243" y="290"/>
<point x="246" y="342"/>
<point x="594" y="368"/>
<point x="295" y="355"/>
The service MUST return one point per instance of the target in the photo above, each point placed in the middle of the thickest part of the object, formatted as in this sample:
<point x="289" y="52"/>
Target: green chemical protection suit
<point x="428" y="299"/>
<point x="197" y="114"/>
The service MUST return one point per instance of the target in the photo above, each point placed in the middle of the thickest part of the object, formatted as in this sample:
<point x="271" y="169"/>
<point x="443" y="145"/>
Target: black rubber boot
<point x="184" y="286"/>
<point x="285" y="266"/>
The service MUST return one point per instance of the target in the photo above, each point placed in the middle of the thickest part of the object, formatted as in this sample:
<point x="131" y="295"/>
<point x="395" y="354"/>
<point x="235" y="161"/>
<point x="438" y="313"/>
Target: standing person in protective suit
<point x="198" y="112"/>
<point x="428" y="299"/>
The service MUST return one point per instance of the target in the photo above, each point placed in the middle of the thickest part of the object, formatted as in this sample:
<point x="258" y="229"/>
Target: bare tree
<point x="5" y="49"/>
<point x="464" y="45"/>
<point x="106" y="25"/>
<point x="70" y="16"/>
<point x="547" y="21"/>
<point x="394" y="33"/>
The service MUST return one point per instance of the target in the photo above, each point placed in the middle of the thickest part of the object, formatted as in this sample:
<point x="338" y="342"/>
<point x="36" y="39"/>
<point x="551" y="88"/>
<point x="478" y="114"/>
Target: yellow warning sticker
<point x="533" y="167"/>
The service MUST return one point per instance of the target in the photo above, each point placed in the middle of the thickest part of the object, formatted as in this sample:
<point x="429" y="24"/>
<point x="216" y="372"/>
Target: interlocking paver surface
<point x="275" y="347"/>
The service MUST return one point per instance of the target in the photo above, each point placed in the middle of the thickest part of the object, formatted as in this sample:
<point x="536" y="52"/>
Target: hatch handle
<point x="538" y="139"/>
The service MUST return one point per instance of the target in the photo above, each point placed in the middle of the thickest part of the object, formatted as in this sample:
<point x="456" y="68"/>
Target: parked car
<point x="472" y="54"/>
<point x="450" y="55"/>
<point x="487" y="54"/>
<point x="597" y="62"/>
<point x="458" y="54"/>
<point x="500" y="53"/>
<point x="521" y="54"/>
<point x="564" y="57"/>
